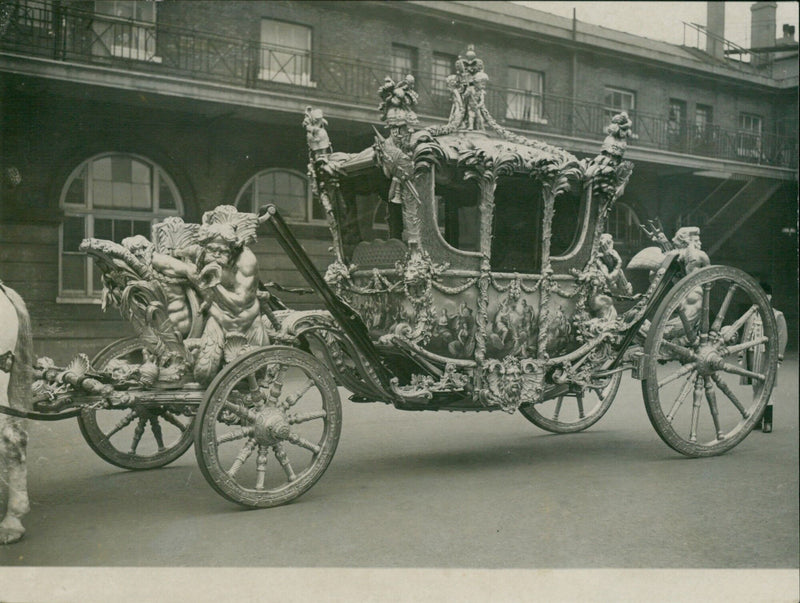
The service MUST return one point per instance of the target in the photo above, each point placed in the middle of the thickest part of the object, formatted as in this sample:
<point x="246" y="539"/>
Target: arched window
<point x="110" y="196"/>
<point x="287" y="189"/>
<point x="624" y="226"/>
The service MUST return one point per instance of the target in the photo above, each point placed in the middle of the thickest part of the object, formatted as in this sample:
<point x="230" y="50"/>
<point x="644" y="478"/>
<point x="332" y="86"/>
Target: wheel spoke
<point x="292" y="399"/>
<point x="243" y="455"/>
<point x="698" y="399"/>
<point x="706" y="310"/>
<point x="261" y="467"/>
<point x="687" y="325"/>
<point x="734" y="349"/>
<point x="126" y="420"/>
<point x="170" y="418"/>
<point x="155" y="427"/>
<point x="737" y="370"/>
<point x="579" y="399"/>
<point x="303" y="443"/>
<point x="235" y="434"/>
<point x="682" y="352"/>
<point x="723" y="309"/>
<point x="686" y="368"/>
<point x="283" y="459"/>
<point x="276" y="387"/>
<point x="294" y="418"/>
<point x="711" y="398"/>
<point x="557" y="411"/>
<point x="137" y="434"/>
<point x="239" y="410"/>
<point x="684" y="393"/>
<point x="731" y="396"/>
<point x="732" y="330"/>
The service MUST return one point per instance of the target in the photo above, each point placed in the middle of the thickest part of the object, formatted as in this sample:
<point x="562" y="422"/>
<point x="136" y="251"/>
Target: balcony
<point x="67" y="34"/>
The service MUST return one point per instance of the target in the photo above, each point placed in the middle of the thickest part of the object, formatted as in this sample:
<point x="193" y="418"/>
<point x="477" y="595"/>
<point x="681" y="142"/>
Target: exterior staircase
<point x="727" y="208"/>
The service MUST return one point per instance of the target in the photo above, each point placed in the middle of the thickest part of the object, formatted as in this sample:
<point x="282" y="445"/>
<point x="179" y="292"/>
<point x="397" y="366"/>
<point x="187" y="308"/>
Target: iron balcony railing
<point x="64" y="33"/>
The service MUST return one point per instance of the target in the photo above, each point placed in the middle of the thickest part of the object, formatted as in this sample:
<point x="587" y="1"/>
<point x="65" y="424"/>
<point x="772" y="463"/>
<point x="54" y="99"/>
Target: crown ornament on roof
<point x="468" y="88"/>
<point x="618" y="132"/>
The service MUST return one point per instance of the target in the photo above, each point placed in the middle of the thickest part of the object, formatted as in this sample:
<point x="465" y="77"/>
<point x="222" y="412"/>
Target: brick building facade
<point x="116" y="114"/>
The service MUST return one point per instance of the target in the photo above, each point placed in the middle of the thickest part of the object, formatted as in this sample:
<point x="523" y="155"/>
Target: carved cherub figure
<point x="475" y="96"/>
<point x="316" y="134"/>
<point x="610" y="264"/>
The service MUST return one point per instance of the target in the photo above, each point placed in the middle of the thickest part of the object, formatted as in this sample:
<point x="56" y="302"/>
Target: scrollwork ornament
<point x="511" y="381"/>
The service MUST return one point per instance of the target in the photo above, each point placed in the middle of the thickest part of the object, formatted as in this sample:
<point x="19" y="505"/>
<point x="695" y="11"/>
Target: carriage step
<point x="640" y="360"/>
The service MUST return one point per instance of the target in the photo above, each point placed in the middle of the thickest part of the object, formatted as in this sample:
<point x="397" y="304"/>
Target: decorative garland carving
<point x="423" y="387"/>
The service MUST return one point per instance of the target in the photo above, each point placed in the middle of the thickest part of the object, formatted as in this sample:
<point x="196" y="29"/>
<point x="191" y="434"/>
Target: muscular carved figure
<point x="225" y="272"/>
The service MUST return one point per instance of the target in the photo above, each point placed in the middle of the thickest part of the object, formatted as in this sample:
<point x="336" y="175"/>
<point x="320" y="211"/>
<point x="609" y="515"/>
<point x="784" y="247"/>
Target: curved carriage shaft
<point x="726" y="364"/>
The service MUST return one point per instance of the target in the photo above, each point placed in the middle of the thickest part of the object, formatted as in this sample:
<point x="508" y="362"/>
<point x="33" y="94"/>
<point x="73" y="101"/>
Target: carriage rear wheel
<point x="710" y="361"/>
<point x="268" y="426"/>
<point x="571" y="413"/>
<point x="134" y="437"/>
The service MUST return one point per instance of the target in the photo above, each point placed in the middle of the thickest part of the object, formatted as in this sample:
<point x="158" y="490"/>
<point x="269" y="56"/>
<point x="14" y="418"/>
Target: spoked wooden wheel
<point x="571" y="413"/>
<point x="701" y="393"/>
<point x="134" y="437"/>
<point x="268" y="426"/>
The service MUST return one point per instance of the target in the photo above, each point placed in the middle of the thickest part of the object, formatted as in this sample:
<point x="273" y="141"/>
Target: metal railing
<point x="64" y="33"/>
<point x="699" y="37"/>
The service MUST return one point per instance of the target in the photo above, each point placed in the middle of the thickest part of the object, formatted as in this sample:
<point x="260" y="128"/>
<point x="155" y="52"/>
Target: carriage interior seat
<point x="378" y="253"/>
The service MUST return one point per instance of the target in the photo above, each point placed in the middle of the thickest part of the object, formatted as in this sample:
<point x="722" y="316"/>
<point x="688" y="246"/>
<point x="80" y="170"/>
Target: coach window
<point x="110" y="196"/>
<point x="624" y="225"/>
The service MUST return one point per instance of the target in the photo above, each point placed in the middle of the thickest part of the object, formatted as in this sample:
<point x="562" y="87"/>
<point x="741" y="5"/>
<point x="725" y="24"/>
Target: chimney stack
<point x="715" y="25"/>
<point x="762" y="24"/>
<point x="762" y="29"/>
<point x="788" y="34"/>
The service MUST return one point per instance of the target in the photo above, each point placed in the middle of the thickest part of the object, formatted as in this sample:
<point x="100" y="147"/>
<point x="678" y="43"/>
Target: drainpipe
<point x="574" y="70"/>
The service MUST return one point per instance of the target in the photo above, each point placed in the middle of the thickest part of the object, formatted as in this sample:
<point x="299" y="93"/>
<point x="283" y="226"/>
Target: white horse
<point x="16" y="371"/>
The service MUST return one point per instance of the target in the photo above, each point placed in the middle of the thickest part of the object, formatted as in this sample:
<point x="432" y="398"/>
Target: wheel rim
<point x="269" y="427"/>
<point x="711" y="357"/>
<point x="136" y="437"/>
<point x="574" y="412"/>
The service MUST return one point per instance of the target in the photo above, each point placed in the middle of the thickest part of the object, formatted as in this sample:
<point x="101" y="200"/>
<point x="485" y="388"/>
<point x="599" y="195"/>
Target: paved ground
<point x="439" y="490"/>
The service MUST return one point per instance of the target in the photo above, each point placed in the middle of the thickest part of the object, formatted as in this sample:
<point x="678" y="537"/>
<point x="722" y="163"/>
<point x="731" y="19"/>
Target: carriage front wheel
<point x="135" y="436"/>
<point x="268" y="426"/>
<point x="710" y="360"/>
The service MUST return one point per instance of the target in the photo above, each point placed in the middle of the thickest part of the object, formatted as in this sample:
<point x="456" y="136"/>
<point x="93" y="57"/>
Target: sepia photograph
<point x="246" y="245"/>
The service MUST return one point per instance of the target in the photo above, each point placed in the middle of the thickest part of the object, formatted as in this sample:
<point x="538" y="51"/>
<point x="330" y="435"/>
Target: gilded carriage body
<point x="494" y="274"/>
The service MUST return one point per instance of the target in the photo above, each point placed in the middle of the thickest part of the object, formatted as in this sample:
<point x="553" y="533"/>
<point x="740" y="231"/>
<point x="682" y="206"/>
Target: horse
<point x="16" y="373"/>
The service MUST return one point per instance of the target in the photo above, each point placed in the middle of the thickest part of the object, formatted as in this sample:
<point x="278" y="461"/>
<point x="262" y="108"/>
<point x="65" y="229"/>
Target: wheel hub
<point x="709" y="360"/>
<point x="270" y="425"/>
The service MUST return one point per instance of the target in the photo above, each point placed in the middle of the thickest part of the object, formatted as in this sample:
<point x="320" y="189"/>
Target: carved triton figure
<point x="225" y="271"/>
